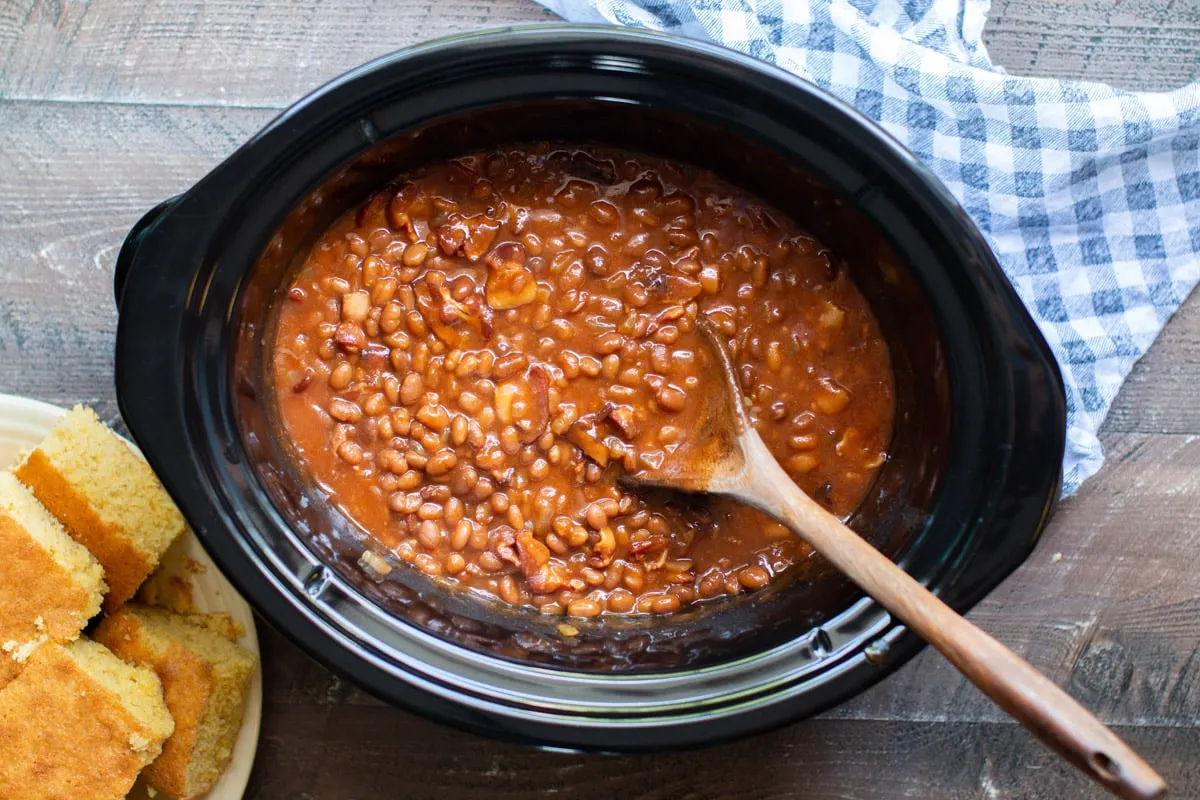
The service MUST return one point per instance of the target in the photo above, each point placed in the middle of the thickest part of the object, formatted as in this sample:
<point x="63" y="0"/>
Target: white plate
<point x="23" y="424"/>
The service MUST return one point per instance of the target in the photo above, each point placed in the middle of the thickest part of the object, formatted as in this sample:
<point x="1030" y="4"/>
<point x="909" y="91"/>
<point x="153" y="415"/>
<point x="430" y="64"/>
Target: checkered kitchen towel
<point x="1089" y="196"/>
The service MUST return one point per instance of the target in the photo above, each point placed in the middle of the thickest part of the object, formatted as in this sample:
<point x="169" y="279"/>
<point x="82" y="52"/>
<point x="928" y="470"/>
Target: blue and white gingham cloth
<point x="1088" y="195"/>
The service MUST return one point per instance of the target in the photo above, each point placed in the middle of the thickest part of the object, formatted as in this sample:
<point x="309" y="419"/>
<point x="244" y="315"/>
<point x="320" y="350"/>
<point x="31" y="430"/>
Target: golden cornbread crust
<point x="50" y="585"/>
<point x="33" y="588"/>
<point x="106" y="496"/>
<point x="67" y="734"/>
<point x="125" y="567"/>
<point x="205" y="677"/>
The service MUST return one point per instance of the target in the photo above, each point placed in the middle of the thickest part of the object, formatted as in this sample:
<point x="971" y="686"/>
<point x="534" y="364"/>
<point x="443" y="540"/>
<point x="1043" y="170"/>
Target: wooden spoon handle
<point x="1028" y="696"/>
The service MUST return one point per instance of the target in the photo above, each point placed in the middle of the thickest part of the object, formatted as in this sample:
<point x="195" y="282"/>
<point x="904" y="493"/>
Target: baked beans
<point x="469" y="360"/>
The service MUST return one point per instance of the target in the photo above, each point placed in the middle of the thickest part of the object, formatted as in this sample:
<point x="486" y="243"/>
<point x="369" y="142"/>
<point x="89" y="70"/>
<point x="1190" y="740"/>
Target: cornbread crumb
<point x="50" y="585"/>
<point x="107" y="498"/>
<point x="220" y="622"/>
<point x="205" y="678"/>
<point x="79" y="724"/>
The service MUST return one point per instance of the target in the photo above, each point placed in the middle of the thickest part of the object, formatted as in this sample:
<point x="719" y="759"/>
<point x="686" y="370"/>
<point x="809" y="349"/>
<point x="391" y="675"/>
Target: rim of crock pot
<point x="449" y="684"/>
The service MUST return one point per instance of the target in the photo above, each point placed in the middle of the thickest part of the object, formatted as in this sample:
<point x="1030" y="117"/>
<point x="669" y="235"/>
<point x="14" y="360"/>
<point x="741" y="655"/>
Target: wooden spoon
<point x="729" y="458"/>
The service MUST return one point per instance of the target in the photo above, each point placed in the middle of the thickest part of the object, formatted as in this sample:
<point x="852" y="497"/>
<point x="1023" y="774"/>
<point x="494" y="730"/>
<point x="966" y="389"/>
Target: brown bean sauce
<point x="468" y="361"/>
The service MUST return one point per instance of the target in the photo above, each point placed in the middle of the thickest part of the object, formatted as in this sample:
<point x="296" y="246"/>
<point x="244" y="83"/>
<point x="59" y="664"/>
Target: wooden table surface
<point x="108" y="106"/>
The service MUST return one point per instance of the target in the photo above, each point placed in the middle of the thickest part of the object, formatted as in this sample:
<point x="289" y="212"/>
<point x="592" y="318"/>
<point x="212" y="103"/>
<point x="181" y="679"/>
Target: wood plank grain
<point x="220" y="52"/>
<point x="1159" y="395"/>
<point x="1147" y="45"/>
<point x="355" y="752"/>
<point x="75" y="180"/>
<point x="228" y="52"/>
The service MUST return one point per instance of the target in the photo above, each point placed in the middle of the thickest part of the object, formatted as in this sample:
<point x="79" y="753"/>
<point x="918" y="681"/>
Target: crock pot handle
<point x="133" y="240"/>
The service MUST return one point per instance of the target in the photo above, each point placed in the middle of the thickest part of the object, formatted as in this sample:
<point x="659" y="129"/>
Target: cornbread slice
<point x="205" y="677"/>
<point x="107" y="498"/>
<point x="50" y="585"/>
<point x="79" y="724"/>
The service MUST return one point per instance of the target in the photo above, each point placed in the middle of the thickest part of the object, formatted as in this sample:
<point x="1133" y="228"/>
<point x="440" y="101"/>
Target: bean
<point x="667" y="334"/>
<point x="383" y="291"/>
<point x="429" y="534"/>
<point x="398" y="502"/>
<point x="429" y="511"/>
<point x="341" y="376"/>
<point x="458" y="430"/>
<point x="375" y="405"/>
<point x="603" y="212"/>
<point x="636" y="295"/>
<point x="441" y="463"/>
<point x="414" y="254"/>
<point x="335" y="285"/>
<point x="391" y="389"/>
<point x="671" y="398"/>
<point x="577" y="536"/>
<point x="802" y="464"/>
<point x="592" y="577"/>
<point x="427" y="564"/>
<point x="344" y="410"/>
<point x="409" y="479"/>
<point x="596" y="517"/>
<point x="508" y="590"/>
<point x="620" y="601"/>
<point x="509" y="365"/>
<point x="483" y="488"/>
<point x="633" y="579"/>
<point x="584" y="608"/>
<point x="557" y="545"/>
<point x="479" y="538"/>
<point x="461" y="534"/>
<point x="351" y="453"/>
<point x="412" y="389"/>
<point x="631" y="377"/>
<point x="609" y="342"/>
<point x="754" y="577"/>
<point x="392" y="461"/>
<point x="390" y="317"/>
<point x="467" y="365"/>
<point x="610" y="365"/>
<point x="434" y="417"/>
<point x="803" y="441"/>
<point x="665" y="604"/>
<point x="510" y="440"/>
<point x="416" y="324"/>
<point x="454" y="564"/>
<point x="463" y="480"/>
<point x="832" y="398"/>
<point x="401" y="421"/>
<point x="515" y="517"/>
<point x="471" y="402"/>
